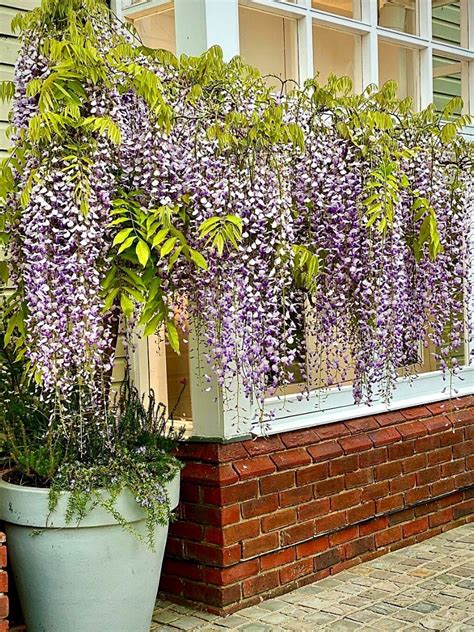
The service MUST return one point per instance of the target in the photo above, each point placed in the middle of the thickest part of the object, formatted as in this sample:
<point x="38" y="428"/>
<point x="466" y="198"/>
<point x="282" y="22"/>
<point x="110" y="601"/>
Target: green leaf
<point x="110" y="299"/>
<point x="168" y="246"/>
<point x="143" y="252"/>
<point x="119" y="220"/>
<point x="7" y="90"/>
<point x="4" y="271"/>
<point x="152" y="326"/>
<point x="127" y="305"/>
<point x="233" y="219"/>
<point x="198" y="259"/>
<point x="15" y="322"/>
<point x="126" y="244"/>
<point x="172" y="335"/>
<point x="138" y="296"/>
<point x="160" y="235"/>
<point x="110" y="278"/>
<point x="122" y="236"/>
<point x="455" y="104"/>
<point x="208" y="224"/>
<point x="135" y="278"/>
<point x="448" y="132"/>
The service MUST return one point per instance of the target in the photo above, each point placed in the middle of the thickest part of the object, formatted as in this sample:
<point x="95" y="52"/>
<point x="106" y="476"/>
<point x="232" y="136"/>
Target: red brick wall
<point x="3" y="585"/>
<point x="260" y="518"/>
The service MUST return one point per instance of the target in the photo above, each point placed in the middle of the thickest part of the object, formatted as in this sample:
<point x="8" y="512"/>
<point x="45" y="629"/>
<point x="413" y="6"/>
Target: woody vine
<point x="152" y="189"/>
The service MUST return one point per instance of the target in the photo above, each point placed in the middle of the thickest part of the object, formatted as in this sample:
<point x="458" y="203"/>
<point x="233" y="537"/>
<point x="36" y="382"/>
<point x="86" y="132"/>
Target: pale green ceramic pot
<point x="91" y="577"/>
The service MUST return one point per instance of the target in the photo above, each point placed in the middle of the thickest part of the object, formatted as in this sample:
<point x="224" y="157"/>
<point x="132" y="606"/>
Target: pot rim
<point x="29" y="507"/>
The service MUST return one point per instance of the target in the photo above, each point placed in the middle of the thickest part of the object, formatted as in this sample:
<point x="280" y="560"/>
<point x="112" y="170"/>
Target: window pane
<point x="347" y="8"/>
<point x="269" y="42"/>
<point x="178" y="380"/>
<point x="398" y="16"/>
<point x="447" y="21"/>
<point x="397" y="63"/>
<point x="157" y="30"/>
<point x="447" y="82"/>
<point x="336" y="52"/>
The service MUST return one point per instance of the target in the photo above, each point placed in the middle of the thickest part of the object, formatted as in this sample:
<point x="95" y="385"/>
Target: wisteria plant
<point x="306" y="233"/>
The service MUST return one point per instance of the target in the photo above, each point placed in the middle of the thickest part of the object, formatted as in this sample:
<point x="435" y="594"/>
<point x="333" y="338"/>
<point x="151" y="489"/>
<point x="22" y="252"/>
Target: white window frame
<point x="292" y="412"/>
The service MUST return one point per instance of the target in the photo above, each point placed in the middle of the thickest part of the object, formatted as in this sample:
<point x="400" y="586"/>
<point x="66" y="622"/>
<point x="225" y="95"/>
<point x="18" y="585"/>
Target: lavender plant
<point x="153" y="189"/>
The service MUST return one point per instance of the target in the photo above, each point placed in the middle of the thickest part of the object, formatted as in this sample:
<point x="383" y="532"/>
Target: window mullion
<point x="425" y="24"/>
<point x="425" y="78"/>
<point x="370" y="58"/>
<point x="369" y="45"/>
<point x="305" y="48"/>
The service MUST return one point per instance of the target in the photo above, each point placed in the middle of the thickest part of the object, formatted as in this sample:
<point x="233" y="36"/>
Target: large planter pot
<point x="90" y="577"/>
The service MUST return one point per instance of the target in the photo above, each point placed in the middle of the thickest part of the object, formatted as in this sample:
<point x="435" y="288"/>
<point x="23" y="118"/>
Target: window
<point x="424" y="45"/>
<point x="398" y="63"/>
<point x="156" y="30"/>
<point x="347" y="8"/>
<point x="399" y="15"/>
<point x="336" y="52"/>
<point x="168" y="372"/>
<point x="447" y="81"/>
<point x="269" y="42"/>
<point x="448" y="21"/>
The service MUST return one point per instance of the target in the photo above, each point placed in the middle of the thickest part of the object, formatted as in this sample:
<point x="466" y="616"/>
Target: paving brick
<point x="411" y="585"/>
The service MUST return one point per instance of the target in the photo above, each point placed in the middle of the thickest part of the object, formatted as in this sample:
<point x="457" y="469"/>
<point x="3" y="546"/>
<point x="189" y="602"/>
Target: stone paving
<point x="428" y="586"/>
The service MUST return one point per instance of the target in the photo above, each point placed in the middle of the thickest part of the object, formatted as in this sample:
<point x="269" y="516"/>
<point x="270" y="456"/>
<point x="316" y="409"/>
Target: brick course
<point x="260" y="518"/>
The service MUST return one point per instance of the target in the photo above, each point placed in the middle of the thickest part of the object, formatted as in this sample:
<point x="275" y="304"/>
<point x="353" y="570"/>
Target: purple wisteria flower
<point x="373" y="302"/>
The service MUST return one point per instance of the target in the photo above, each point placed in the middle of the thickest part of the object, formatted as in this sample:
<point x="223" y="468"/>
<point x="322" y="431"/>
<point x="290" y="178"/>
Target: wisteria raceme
<point x="61" y="256"/>
<point x="231" y="150"/>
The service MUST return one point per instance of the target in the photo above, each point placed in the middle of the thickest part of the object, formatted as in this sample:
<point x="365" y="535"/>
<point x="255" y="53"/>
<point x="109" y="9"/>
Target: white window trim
<point x="337" y="405"/>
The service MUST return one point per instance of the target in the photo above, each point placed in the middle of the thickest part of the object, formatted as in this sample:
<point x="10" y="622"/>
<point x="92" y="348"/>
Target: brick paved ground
<point x="428" y="586"/>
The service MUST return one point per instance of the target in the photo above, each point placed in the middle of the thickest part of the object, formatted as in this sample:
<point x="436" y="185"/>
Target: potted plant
<point x="88" y="558"/>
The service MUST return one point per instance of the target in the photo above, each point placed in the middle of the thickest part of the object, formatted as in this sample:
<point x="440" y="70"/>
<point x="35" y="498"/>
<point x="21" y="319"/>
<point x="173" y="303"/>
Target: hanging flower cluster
<point x="316" y="236"/>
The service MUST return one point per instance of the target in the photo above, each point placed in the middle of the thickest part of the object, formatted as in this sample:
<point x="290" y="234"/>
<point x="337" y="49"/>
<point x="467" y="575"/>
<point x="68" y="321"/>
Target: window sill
<point x="337" y="405"/>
